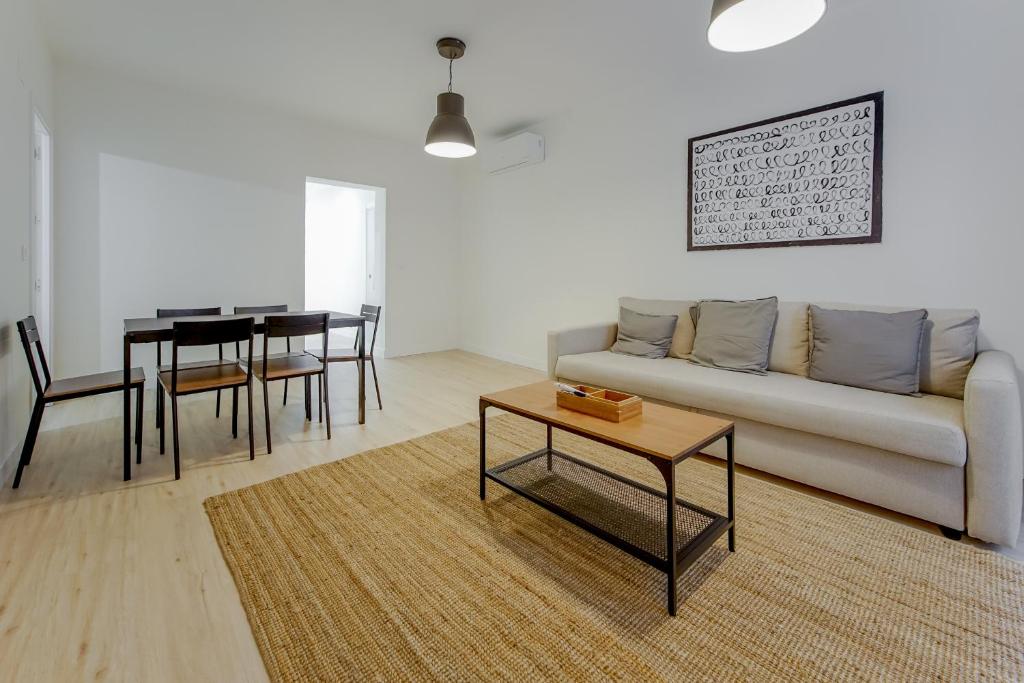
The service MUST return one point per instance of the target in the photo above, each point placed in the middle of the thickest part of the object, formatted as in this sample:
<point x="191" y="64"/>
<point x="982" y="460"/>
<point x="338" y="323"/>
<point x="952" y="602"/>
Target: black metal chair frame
<point x="182" y="313"/>
<point x="276" y="326"/>
<point x="372" y="315"/>
<point x="207" y="333"/>
<point x="277" y="308"/>
<point x="29" y="333"/>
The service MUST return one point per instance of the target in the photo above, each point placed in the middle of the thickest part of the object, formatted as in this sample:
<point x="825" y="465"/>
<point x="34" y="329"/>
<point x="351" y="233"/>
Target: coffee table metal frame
<point x="675" y="563"/>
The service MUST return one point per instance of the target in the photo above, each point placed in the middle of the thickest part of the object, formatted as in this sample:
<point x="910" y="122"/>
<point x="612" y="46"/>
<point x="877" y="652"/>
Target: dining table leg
<point x="127" y="408"/>
<point x="362" y="373"/>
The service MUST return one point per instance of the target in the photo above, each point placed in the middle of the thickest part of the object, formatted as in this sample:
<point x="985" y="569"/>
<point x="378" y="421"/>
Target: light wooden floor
<point x="106" y="580"/>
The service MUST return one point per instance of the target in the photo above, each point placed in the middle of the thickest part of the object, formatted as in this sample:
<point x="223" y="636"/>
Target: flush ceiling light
<point x="745" y="25"/>
<point x="449" y="134"/>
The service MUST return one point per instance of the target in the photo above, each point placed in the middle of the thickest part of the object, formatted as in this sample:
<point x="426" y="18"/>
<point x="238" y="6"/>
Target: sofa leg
<point x="951" y="534"/>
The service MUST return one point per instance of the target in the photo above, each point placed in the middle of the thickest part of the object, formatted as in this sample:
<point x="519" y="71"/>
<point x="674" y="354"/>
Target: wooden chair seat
<point x="206" y="378"/>
<point x="87" y="385"/>
<point x="192" y="365"/>
<point x="287" y="365"/>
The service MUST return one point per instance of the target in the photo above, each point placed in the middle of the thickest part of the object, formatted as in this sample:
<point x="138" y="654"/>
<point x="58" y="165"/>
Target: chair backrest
<point x="210" y="332"/>
<point x="276" y="308"/>
<point x="29" y="334"/>
<point x="298" y="325"/>
<point x="372" y="315"/>
<point x="184" y="313"/>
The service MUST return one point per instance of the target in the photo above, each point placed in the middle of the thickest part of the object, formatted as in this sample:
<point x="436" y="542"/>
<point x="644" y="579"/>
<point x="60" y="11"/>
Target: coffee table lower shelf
<point x="625" y="513"/>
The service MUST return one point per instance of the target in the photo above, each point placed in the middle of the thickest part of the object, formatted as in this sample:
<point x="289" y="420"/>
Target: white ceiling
<point x="373" y="65"/>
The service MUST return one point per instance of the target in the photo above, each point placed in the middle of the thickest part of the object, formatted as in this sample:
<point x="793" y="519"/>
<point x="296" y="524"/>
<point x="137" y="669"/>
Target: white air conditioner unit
<point x="524" y="149"/>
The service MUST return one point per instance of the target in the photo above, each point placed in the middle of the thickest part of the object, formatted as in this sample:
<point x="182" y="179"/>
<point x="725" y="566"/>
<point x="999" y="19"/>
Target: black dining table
<point x="148" y="330"/>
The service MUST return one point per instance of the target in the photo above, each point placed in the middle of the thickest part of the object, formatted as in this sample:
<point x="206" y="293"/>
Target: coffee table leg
<point x="730" y="466"/>
<point x="549" y="448"/>
<point x="670" y="524"/>
<point x="668" y="471"/>
<point x="483" y="450"/>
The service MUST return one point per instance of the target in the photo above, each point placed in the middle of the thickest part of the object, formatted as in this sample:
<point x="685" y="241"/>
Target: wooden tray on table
<point x="614" y="406"/>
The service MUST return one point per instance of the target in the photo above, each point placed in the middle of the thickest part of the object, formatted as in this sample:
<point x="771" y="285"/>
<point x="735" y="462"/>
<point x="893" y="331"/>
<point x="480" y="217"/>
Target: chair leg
<point x="376" y="384"/>
<point x="320" y="397"/>
<point x="252" y="442"/>
<point x="309" y="400"/>
<point x="174" y="427"/>
<point x="160" y="409"/>
<point x="30" y="440"/>
<point x="285" y="401"/>
<point x="266" y="414"/>
<point x="159" y="406"/>
<point x="234" y="412"/>
<point x="138" y="423"/>
<point x="327" y="407"/>
<point x="218" y="403"/>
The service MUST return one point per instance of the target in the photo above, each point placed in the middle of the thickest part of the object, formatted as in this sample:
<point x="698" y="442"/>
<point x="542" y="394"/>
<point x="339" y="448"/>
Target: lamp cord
<point x="450" y="63"/>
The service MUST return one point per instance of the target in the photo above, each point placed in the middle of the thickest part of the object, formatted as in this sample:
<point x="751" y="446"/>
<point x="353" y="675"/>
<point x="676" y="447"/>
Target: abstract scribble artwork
<point x="813" y="177"/>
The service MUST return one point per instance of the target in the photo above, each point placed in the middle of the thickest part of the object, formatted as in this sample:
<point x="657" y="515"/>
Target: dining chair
<point x="184" y="313"/>
<point x="372" y="315"/>
<point x="184" y="379"/>
<point x="278" y="308"/>
<point x="303" y="365"/>
<point x="49" y="391"/>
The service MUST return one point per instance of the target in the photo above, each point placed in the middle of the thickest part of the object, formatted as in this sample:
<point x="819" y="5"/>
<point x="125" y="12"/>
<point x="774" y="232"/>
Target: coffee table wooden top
<point x="661" y="431"/>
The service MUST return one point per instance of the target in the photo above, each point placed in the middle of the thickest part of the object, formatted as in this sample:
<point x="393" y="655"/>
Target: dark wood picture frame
<point x="875" y="235"/>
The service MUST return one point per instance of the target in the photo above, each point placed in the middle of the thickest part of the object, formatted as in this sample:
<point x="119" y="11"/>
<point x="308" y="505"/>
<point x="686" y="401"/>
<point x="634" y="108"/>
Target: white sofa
<point x="957" y="463"/>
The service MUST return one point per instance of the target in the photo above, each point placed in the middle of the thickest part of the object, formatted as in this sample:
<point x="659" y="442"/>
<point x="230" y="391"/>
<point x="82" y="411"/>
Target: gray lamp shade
<point x="449" y="134"/>
<point x="745" y="25"/>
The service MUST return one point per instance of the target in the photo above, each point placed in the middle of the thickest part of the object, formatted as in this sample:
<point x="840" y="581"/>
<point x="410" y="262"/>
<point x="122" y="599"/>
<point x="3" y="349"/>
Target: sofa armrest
<point x="579" y="340"/>
<point x="995" y="448"/>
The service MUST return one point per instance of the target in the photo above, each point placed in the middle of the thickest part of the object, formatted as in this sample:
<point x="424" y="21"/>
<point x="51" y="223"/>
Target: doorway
<point x="41" y="240"/>
<point x="345" y="225"/>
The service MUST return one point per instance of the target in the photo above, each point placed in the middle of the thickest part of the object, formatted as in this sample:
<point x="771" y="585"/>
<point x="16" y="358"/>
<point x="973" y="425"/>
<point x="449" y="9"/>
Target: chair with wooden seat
<point x="160" y="367"/>
<point x="50" y="391"/>
<point x="186" y="378"/>
<point x="278" y="308"/>
<point x="296" y="365"/>
<point x="372" y="315"/>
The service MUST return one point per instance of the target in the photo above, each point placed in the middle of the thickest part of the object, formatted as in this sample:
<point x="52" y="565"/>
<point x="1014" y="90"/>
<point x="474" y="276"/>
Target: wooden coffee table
<point x="631" y="516"/>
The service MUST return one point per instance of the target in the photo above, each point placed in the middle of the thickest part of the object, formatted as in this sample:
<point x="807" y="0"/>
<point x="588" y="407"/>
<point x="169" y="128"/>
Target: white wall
<point x="25" y="82"/>
<point x="555" y="244"/>
<point x="177" y="199"/>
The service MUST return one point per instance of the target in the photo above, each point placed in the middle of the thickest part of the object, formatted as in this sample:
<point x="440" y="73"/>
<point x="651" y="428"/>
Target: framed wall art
<point x="809" y="178"/>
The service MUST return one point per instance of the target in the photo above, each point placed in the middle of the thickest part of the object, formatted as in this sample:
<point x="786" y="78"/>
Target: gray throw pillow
<point x="879" y="351"/>
<point x="734" y="335"/>
<point x="948" y="347"/>
<point x="644" y="335"/>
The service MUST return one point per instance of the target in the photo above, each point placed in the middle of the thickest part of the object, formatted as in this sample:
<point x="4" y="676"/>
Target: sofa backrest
<point x="950" y="339"/>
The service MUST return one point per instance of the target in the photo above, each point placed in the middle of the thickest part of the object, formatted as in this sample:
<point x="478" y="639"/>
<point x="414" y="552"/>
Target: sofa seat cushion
<point x="927" y="427"/>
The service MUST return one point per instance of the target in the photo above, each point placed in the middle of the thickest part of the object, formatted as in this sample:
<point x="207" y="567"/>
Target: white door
<point x="42" y="233"/>
<point x="371" y="253"/>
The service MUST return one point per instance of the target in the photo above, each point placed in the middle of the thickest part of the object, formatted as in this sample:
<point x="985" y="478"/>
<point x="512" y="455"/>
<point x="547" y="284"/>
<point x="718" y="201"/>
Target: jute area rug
<point x="387" y="566"/>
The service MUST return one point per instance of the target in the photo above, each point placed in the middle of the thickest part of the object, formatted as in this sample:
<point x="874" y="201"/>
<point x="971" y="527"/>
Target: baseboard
<point x="513" y="358"/>
<point x="7" y="463"/>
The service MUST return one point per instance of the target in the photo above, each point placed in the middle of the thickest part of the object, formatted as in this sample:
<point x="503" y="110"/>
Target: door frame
<point x="380" y="245"/>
